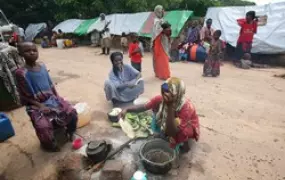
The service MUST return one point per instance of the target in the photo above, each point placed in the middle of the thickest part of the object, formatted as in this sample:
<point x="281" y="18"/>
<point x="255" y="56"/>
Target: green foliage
<point x="23" y="12"/>
<point x="31" y="11"/>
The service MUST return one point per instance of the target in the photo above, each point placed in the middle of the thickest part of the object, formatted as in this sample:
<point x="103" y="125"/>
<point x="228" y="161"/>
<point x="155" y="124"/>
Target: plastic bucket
<point x="60" y="43"/>
<point x="6" y="128"/>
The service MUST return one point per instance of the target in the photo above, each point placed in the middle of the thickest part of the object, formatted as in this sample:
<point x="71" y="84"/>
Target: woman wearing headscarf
<point x="124" y="83"/>
<point x="161" y="44"/>
<point x="175" y="117"/>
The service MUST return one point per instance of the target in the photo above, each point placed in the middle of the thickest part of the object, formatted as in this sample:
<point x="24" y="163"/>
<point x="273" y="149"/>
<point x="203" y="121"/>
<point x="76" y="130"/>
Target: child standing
<point x="247" y="31"/>
<point x="45" y="107"/>
<point x="212" y="64"/>
<point x="124" y="43"/>
<point x="135" y="52"/>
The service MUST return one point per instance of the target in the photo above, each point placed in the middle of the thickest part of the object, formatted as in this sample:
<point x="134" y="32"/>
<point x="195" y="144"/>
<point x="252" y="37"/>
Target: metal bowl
<point x="114" y="118"/>
<point x="157" y="167"/>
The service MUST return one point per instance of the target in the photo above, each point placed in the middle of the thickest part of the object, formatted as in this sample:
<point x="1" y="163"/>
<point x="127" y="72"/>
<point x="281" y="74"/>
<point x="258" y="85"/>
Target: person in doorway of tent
<point x="45" y="107"/>
<point x="60" y="34"/>
<point x="175" y="117"/>
<point x="53" y="38"/>
<point x="161" y="44"/>
<point x="212" y="64"/>
<point x="247" y="31"/>
<point x="194" y="36"/>
<point x="124" y="83"/>
<point x="124" y="42"/>
<point x="135" y="53"/>
<point x="95" y="38"/>
<point x="206" y="33"/>
<point x="45" y="42"/>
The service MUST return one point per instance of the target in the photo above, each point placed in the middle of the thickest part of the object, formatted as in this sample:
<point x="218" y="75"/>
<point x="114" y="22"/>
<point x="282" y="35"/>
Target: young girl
<point x="212" y="64"/>
<point x="247" y="31"/>
<point x="135" y="52"/>
<point x="45" y="107"/>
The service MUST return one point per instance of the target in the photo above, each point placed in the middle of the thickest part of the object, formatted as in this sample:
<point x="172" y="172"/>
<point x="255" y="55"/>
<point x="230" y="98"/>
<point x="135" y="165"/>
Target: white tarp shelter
<point x="33" y="30"/>
<point x="122" y="23"/>
<point x="68" y="26"/>
<point x="270" y="39"/>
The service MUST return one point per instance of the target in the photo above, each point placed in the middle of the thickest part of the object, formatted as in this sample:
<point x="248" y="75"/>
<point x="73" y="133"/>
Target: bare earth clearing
<point x="242" y="116"/>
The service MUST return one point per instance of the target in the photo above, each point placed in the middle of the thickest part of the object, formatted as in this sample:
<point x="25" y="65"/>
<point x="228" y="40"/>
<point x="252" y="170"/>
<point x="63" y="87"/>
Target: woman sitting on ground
<point x="124" y="83"/>
<point x="174" y="115"/>
<point x="45" y="107"/>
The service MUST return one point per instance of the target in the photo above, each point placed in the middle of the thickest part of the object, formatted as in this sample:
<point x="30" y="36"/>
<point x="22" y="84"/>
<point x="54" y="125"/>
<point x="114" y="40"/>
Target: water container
<point x="84" y="114"/>
<point x="197" y="53"/>
<point x="6" y="128"/>
<point x="139" y="175"/>
<point x="60" y="43"/>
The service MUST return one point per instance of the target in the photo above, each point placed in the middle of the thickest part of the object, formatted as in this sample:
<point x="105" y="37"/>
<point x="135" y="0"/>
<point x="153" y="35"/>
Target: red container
<point x="77" y="143"/>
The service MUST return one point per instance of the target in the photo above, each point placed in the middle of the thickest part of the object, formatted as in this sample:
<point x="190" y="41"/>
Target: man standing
<point x="207" y="32"/>
<point x="105" y="34"/>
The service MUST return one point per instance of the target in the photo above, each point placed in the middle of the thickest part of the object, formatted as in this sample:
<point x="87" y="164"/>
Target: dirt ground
<point x="241" y="113"/>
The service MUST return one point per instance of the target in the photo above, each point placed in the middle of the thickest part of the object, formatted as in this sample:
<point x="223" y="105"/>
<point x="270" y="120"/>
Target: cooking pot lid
<point x="96" y="146"/>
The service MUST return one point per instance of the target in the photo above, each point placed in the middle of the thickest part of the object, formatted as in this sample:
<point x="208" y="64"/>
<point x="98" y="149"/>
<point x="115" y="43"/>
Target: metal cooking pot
<point x="97" y="151"/>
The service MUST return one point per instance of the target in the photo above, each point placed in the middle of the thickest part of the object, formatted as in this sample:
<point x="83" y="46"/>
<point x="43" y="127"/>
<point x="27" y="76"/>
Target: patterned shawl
<point x="177" y="88"/>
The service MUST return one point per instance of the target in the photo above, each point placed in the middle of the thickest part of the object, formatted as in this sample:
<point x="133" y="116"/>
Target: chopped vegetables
<point x="139" y="121"/>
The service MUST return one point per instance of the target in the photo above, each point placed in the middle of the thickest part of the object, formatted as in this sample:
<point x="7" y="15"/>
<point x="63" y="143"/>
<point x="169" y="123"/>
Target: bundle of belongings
<point x="9" y="62"/>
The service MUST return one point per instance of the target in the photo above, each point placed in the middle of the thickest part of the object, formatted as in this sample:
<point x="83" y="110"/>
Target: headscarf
<point x="158" y="20"/>
<point x="177" y="88"/>
<point x="158" y="11"/>
<point x="102" y="15"/>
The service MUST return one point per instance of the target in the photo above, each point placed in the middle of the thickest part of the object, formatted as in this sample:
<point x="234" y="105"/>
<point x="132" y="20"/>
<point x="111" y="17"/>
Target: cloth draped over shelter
<point x="33" y="30"/>
<point x="140" y="23"/>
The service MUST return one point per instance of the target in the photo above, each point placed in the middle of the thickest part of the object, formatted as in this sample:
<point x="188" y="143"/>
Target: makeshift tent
<point x="270" y="39"/>
<point x="134" y="22"/>
<point x="140" y="23"/>
<point x="84" y="26"/>
<point x="177" y="19"/>
<point x="68" y="26"/>
<point x="122" y="23"/>
<point x="33" y="30"/>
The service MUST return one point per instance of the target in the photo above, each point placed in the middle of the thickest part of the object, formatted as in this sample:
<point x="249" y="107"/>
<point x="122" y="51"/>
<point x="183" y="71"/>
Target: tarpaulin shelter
<point x="140" y="23"/>
<point x="177" y="19"/>
<point x="84" y="26"/>
<point x="33" y="30"/>
<point x="122" y="23"/>
<point x="68" y="26"/>
<point x="270" y="39"/>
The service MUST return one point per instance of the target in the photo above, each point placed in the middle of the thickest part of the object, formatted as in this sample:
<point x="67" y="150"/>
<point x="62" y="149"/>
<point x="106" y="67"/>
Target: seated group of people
<point x="175" y="117"/>
<point x="46" y="42"/>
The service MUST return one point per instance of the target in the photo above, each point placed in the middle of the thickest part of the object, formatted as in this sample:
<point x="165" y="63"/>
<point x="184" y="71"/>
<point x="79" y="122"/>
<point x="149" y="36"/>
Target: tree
<point x="23" y="12"/>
